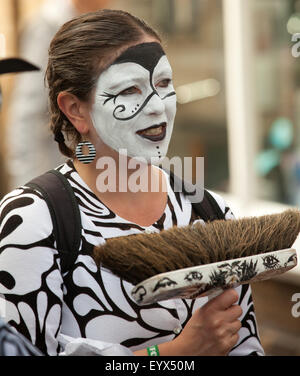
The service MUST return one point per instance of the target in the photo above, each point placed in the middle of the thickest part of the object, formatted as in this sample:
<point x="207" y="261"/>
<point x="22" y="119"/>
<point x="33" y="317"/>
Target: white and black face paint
<point x="135" y="103"/>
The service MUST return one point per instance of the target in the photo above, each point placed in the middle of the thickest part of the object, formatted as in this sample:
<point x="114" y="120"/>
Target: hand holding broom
<point x="213" y="328"/>
<point x="198" y="259"/>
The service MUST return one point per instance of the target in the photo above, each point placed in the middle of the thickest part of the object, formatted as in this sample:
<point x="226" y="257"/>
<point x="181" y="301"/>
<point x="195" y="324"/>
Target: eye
<point x="131" y="90"/>
<point x="270" y="262"/>
<point x="164" y="83"/>
<point x="193" y="275"/>
<point x="163" y="283"/>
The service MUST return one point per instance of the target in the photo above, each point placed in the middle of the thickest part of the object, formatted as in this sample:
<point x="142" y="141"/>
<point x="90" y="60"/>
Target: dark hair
<point x="81" y="49"/>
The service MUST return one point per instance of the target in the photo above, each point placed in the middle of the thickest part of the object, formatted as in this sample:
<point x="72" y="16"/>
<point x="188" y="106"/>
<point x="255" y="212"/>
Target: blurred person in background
<point x="13" y="343"/>
<point x="30" y="150"/>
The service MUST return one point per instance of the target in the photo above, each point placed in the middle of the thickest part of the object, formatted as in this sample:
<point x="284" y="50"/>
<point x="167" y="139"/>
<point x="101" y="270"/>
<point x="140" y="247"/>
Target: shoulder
<point x="222" y="204"/>
<point x="24" y="213"/>
<point x="181" y="188"/>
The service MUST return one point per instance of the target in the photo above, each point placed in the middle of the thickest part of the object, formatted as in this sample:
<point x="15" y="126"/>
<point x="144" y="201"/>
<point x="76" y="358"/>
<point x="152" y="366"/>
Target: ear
<point x="75" y="110"/>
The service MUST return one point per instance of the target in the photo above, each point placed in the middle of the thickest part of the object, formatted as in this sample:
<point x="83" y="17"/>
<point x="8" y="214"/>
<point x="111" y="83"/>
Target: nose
<point x="155" y="106"/>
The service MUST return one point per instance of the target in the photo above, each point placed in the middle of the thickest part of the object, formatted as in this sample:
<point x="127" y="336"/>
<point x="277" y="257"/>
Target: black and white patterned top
<point x="88" y="302"/>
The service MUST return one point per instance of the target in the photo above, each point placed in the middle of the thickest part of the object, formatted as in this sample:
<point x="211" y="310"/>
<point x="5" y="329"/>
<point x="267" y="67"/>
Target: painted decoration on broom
<point x="212" y="279"/>
<point x="203" y="259"/>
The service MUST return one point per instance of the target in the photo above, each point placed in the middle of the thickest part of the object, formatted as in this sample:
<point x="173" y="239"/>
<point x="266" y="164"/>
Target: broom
<point x="137" y="258"/>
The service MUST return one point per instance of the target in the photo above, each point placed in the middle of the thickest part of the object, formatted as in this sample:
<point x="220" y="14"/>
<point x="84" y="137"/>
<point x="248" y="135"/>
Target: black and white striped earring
<point x="85" y="158"/>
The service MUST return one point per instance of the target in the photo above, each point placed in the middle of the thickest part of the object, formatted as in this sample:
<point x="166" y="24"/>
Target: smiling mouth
<point x="154" y="133"/>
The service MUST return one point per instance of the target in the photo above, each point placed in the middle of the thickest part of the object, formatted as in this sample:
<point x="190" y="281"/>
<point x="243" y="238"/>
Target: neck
<point x="126" y="196"/>
<point x="125" y="177"/>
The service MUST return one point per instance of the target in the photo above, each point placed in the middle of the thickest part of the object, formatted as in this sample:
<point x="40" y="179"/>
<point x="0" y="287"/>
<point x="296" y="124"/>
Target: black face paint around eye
<point x="147" y="55"/>
<point x="136" y="87"/>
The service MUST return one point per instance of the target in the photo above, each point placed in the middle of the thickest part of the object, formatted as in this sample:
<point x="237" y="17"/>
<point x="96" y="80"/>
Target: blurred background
<point x="236" y="71"/>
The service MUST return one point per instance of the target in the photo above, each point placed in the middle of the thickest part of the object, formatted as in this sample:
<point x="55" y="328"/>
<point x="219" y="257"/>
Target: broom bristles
<point x="138" y="257"/>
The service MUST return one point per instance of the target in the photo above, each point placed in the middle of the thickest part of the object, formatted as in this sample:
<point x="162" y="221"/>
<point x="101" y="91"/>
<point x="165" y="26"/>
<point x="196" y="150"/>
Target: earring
<point x="85" y="158"/>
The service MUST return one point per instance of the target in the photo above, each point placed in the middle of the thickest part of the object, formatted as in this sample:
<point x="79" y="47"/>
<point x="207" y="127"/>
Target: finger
<point x="234" y="327"/>
<point x="228" y="330"/>
<point x="225" y="300"/>
<point x="233" y="340"/>
<point x="228" y="342"/>
<point x="233" y="313"/>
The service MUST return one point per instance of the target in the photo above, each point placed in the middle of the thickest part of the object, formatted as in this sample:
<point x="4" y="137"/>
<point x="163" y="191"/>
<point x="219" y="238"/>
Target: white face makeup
<point x="135" y="103"/>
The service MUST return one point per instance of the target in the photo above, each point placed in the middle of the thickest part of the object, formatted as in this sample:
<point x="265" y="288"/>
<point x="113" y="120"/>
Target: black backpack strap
<point x="64" y="212"/>
<point x="207" y="209"/>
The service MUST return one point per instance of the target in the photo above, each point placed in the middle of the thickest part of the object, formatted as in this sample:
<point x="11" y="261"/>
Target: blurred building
<point x="236" y="71"/>
<point x="32" y="150"/>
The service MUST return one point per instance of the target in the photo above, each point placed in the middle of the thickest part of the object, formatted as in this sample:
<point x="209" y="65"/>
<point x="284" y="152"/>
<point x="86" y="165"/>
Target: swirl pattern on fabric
<point x="88" y="302"/>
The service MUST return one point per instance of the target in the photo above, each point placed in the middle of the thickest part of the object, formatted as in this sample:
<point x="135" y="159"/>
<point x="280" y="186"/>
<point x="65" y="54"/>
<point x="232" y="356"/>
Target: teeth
<point x="153" y="131"/>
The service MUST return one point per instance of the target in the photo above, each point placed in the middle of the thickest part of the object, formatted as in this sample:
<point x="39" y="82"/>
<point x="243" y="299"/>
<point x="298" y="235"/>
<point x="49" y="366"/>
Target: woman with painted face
<point x="111" y="92"/>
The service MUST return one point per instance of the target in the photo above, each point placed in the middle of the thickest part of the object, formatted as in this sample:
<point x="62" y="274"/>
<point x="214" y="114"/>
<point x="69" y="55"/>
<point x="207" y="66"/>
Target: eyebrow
<point x="164" y="72"/>
<point x="120" y="82"/>
<point x="123" y="83"/>
<point x="128" y="82"/>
